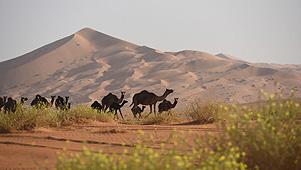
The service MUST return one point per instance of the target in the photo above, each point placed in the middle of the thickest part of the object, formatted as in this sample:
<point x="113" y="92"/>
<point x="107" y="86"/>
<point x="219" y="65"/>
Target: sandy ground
<point x="17" y="152"/>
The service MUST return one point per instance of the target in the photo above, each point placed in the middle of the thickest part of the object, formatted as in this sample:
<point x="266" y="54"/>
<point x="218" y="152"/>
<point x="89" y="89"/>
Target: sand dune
<point x="88" y="65"/>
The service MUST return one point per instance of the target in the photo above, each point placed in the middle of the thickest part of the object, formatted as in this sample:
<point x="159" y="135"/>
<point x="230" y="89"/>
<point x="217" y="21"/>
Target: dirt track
<point x="17" y="152"/>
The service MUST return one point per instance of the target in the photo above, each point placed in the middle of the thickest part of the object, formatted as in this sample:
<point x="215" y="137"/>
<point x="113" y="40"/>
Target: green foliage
<point x="270" y="136"/>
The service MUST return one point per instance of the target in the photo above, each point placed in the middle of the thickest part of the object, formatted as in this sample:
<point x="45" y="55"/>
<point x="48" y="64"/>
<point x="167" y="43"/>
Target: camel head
<point x="176" y="99"/>
<point x="38" y="96"/>
<point x="168" y="91"/>
<point x="24" y="99"/>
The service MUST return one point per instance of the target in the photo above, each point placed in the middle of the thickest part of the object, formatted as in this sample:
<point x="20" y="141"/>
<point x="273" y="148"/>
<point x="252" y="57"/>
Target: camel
<point x="138" y="110"/>
<point x="110" y="99"/>
<point x="10" y="105"/>
<point x="115" y="106"/>
<point x="2" y="101"/>
<point x="40" y="102"/>
<point x="62" y="104"/>
<point x="166" y="105"/>
<point x="148" y="98"/>
<point x="23" y="100"/>
<point x="96" y="105"/>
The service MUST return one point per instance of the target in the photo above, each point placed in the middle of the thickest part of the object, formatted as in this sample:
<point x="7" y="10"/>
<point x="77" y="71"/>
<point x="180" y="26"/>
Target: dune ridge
<point x="88" y="65"/>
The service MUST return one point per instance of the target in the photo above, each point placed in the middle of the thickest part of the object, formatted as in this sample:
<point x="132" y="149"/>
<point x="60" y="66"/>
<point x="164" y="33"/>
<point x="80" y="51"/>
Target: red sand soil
<point x="17" y="152"/>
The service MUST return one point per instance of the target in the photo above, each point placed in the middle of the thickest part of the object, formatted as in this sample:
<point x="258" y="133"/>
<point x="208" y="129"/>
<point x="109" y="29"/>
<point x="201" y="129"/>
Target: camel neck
<point x="121" y="97"/>
<point x="122" y="104"/>
<point x="52" y="101"/>
<point x="174" y="104"/>
<point x="163" y="96"/>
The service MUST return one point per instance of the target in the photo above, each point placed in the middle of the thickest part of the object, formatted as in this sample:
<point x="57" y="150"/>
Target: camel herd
<point x="110" y="101"/>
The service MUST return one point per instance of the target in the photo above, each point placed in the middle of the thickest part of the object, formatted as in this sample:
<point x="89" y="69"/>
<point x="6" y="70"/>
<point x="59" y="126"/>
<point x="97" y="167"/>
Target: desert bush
<point x="28" y="118"/>
<point x="270" y="136"/>
<point x="203" y="111"/>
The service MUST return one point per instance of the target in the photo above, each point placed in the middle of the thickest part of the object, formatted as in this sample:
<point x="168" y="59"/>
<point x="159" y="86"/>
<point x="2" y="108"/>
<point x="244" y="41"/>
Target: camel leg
<point x="121" y="114"/>
<point x="150" y="106"/>
<point x="115" y="115"/>
<point x="155" y="109"/>
<point x="106" y="107"/>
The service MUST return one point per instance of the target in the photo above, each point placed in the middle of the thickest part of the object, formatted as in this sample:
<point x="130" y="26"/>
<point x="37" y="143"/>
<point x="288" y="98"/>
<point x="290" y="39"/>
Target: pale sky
<point x="253" y="30"/>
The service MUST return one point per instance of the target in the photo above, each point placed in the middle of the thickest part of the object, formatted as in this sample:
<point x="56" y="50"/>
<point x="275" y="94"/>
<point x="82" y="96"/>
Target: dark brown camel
<point x="96" y="105"/>
<point x="10" y="105"/>
<point x="148" y="98"/>
<point x="2" y="101"/>
<point x="138" y="110"/>
<point x="23" y="100"/>
<point x="167" y="105"/>
<point x="110" y="99"/>
<point x="62" y="104"/>
<point x="40" y="102"/>
<point x="115" y="106"/>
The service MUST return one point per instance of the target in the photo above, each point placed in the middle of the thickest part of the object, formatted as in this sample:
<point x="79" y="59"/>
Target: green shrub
<point x="270" y="136"/>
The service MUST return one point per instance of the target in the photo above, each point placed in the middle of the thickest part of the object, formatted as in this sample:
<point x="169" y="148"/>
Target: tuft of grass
<point x="114" y="130"/>
<point x="203" y="111"/>
<point x="28" y="118"/>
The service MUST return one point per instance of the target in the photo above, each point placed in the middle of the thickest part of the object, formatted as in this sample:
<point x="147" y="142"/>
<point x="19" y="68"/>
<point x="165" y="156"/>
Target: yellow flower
<point x="237" y="155"/>
<point x="222" y="158"/>
<point x="272" y="96"/>
<point x="167" y="166"/>
<point x="297" y="105"/>
<point x="243" y="153"/>
<point x="261" y="91"/>
<point x="141" y="132"/>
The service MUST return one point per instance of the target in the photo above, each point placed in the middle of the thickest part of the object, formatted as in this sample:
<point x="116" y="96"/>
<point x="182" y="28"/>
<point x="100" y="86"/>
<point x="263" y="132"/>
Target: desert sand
<point x="88" y="65"/>
<point x="17" y="151"/>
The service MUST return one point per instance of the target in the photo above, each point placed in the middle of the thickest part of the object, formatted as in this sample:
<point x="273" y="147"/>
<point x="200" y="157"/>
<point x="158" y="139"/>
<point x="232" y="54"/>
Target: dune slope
<point x="88" y="65"/>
